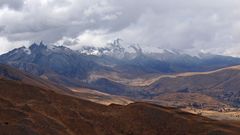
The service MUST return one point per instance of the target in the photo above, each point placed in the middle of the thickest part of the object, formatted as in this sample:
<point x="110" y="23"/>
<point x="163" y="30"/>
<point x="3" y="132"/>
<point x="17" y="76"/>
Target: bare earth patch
<point x="100" y="97"/>
<point x="217" y="115"/>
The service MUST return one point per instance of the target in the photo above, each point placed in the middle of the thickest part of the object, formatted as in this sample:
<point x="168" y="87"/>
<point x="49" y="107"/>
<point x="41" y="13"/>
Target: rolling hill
<point x="30" y="110"/>
<point x="214" y="89"/>
<point x="221" y="85"/>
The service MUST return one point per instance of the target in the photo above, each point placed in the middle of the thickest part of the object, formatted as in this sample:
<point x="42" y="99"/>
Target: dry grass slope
<point x="30" y="110"/>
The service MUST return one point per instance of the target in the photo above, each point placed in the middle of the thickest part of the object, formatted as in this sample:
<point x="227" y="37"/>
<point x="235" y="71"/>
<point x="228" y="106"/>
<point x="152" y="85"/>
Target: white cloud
<point x="96" y="38"/>
<point x="179" y="24"/>
<point x="6" y="45"/>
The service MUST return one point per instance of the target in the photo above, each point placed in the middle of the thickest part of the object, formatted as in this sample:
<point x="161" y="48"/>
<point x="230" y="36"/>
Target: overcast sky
<point x="202" y="25"/>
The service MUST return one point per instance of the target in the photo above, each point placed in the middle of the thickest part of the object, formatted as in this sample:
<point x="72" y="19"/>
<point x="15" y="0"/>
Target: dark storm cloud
<point x="208" y="25"/>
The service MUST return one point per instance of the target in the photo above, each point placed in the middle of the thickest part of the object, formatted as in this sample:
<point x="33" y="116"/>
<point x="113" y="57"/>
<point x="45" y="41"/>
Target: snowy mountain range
<point x="65" y="64"/>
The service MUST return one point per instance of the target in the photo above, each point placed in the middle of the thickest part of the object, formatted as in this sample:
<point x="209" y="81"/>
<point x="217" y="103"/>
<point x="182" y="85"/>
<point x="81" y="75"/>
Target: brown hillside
<point x="11" y="73"/>
<point x="222" y="85"/>
<point x="29" y="110"/>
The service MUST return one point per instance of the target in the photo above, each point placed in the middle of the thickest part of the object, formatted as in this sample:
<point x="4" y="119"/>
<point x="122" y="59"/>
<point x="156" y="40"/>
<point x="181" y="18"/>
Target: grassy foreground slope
<point x="30" y="110"/>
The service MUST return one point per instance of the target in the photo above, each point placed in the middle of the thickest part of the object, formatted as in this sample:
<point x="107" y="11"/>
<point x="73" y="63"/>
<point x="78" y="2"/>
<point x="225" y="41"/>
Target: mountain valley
<point x="78" y="93"/>
<point x="30" y="110"/>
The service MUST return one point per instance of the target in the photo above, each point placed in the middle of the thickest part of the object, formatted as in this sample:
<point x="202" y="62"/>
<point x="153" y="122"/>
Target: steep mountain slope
<point x="30" y="110"/>
<point x="11" y="73"/>
<point x="56" y="63"/>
